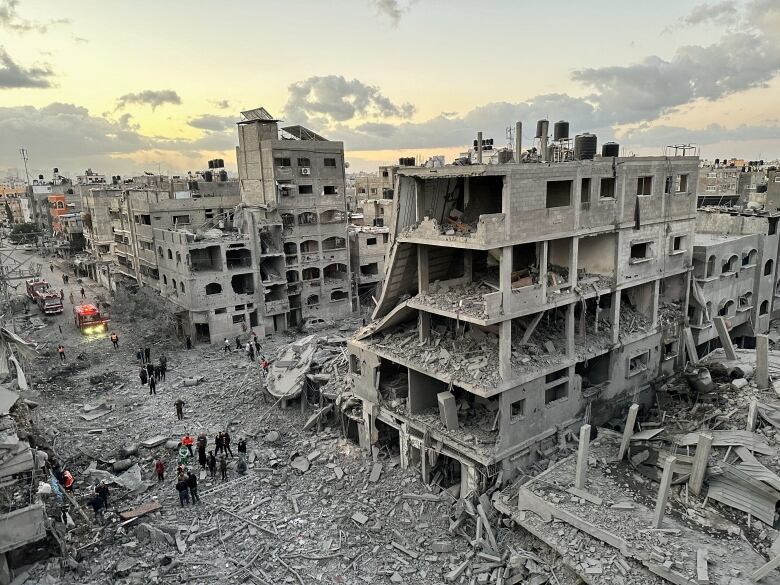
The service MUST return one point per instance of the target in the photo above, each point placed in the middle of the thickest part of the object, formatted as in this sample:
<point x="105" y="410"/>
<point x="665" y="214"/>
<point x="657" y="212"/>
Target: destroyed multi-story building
<point x="368" y="251"/>
<point x="520" y="300"/>
<point x="136" y="211"/>
<point x="734" y="275"/>
<point x="376" y="186"/>
<point x="293" y="188"/>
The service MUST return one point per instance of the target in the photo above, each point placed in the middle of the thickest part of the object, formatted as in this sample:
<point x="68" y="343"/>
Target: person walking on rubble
<point x="149" y="369"/>
<point x="238" y="344"/>
<point x="142" y="375"/>
<point x="97" y="504"/>
<point x="139" y="355"/>
<point x="163" y="364"/>
<point x="223" y="467"/>
<point x="241" y="465"/>
<point x="188" y="342"/>
<point x="192" y="483"/>
<point x="227" y="345"/>
<point x="257" y="345"/>
<point x="242" y="447"/>
<point x="183" y="487"/>
<point x="70" y="298"/>
<point x="159" y="468"/>
<point x="156" y="372"/>
<point x="226" y="443"/>
<point x="212" y="462"/>
<point x="61" y="351"/>
<point x="62" y="294"/>
<point x="147" y="353"/>
<point x="219" y="443"/>
<point x="152" y="386"/>
<point x="201" y="454"/>
<point x="101" y="490"/>
<point x="179" y="404"/>
<point x="250" y="349"/>
<point x="83" y="293"/>
<point x="115" y="340"/>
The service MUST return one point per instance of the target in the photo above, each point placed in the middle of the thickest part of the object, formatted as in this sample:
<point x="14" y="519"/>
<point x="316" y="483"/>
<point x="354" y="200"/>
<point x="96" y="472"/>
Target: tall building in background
<point x="293" y="189"/>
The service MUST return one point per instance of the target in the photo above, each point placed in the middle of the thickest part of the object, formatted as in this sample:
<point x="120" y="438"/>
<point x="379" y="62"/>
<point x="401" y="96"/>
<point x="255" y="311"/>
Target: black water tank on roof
<point x="585" y="146"/>
<point x="223" y="176"/>
<point x="208" y="176"/>
<point x="211" y="164"/>
<point x="540" y="128"/>
<point x="219" y="163"/>
<point x="610" y="149"/>
<point x="561" y="130"/>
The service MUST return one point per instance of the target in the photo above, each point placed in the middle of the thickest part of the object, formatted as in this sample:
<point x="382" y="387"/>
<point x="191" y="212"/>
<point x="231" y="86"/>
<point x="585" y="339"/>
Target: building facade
<point x="293" y="186"/>
<point x="519" y="301"/>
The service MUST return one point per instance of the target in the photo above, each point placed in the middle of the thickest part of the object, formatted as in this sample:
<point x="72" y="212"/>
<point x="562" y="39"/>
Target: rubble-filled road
<point x="319" y="520"/>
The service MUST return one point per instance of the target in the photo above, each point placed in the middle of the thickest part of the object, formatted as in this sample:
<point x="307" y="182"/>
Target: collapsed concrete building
<point x="521" y="299"/>
<point x="293" y="188"/>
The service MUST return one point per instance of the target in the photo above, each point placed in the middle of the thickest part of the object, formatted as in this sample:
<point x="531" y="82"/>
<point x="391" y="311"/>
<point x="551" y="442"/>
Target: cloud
<point x="13" y="75"/>
<point x="149" y="97"/>
<point x="333" y="98"/>
<point x="212" y="123"/>
<point x="719" y="12"/>
<point x="10" y="20"/>
<point x="658" y="136"/>
<point x="222" y="104"/>
<point x="390" y="9"/>
<point x="655" y="86"/>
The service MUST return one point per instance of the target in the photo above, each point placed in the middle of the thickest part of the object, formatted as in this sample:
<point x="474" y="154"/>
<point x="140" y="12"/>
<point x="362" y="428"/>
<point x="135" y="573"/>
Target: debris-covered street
<point x="310" y="507"/>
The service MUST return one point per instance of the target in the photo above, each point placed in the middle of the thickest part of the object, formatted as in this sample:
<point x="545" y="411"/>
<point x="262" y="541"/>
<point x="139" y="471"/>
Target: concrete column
<point x="628" y="431"/>
<point x="574" y="257"/>
<point x="505" y="349"/>
<point x="505" y="278"/>
<point x="543" y="268"/>
<point x="518" y="141"/>
<point x="468" y="480"/>
<point x="403" y="444"/>
<point x="466" y="192"/>
<point x="656" y="300"/>
<point x="419" y="199"/>
<point x="663" y="491"/>
<point x="479" y="148"/>
<point x="615" y="316"/>
<point x="424" y="467"/>
<point x="570" y="332"/>
<point x="5" y="572"/>
<point x="582" y="458"/>
<point x="468" y="265"/>
<point x="762" y="362"/>
<point x="700" y="460"/>
<point x="367" y="424"/>
<point x="424" y="325"/>
<point x="725" y="338"/>
<point x="423" y="271"/>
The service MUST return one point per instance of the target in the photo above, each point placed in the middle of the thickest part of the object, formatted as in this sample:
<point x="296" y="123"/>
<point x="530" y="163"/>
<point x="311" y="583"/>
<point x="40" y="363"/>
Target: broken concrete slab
<point x="376" y="471"/>
<point x="448" y="410"/>
<point x="142" y="510"/>
<point x="154" y="442"/>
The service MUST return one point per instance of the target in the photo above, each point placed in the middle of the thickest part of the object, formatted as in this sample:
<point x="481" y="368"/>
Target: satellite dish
<point x="346" y="165"/>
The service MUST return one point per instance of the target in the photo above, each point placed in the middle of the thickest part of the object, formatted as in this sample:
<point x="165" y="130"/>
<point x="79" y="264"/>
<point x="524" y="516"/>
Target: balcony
<point x="277" y="307"/>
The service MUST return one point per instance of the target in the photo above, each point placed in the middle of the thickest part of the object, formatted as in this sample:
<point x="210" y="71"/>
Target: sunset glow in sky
<point x="124" y="87"/>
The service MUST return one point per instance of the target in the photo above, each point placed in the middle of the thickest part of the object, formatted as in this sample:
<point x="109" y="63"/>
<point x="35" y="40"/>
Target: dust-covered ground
<point x="320" y="521"/>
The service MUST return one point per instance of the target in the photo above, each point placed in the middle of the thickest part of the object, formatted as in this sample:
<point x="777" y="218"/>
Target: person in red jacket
<point x="188" y="442"/>
<point x="159" y="467"/>
<point x="67" y="478"/>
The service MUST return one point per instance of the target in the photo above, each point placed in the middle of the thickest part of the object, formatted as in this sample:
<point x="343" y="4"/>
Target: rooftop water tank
<point x="585" y="146"/>
<point x="561" y="130"/>
<point x="610" y="149"/>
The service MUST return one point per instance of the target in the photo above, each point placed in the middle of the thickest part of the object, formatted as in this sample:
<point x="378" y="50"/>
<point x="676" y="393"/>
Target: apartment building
<point x="521" y="300"/>
<point x="213" y="278"/>
<point x="376" y="186"/>
<point x="136" y="212"/>
<point x="368" y="251"/>
<point x="734" y="275"/>
<point x="293" y="186"/>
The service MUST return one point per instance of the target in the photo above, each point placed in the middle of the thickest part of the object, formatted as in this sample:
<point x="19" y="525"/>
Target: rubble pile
<point x="464" y="299"/>
<point x="470" y="358"/>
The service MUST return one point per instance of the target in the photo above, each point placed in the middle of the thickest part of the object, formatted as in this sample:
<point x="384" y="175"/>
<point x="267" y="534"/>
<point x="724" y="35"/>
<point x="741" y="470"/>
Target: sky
<point x="127" y="87"/>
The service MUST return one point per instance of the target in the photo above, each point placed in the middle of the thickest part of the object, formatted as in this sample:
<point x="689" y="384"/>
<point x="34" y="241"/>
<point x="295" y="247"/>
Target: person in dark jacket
<point x="140" y="355"/>
<point x="212" y="464"/>
<point x="163" y="366"/>
<point x="202" y="454"/>
<point x="223" y="466"/>
<point x="142" y="375"/>
<point x="152" y="385"/>
<point x="242" y="447"/>
<point x="192" y="482"/>
<point x="226" y="439"/>
<point x="238" y="344"/>
<point x="219" y="443"/>
<point x="147" y="354"/>
<point x="98" y="505"/>
<point x="149" y="369"/>
<point x="183" y="486"/>
<point x="102" y="490"/>
<point x="188" y="342"/>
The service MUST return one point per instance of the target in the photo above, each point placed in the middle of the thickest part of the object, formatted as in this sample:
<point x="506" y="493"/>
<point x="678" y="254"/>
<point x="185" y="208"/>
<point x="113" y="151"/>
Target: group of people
<point x="252" y="349"/>
<point x="150" y="372"/>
